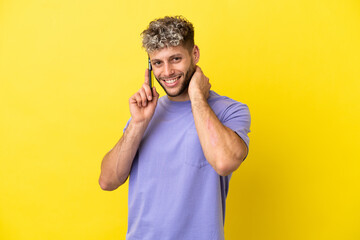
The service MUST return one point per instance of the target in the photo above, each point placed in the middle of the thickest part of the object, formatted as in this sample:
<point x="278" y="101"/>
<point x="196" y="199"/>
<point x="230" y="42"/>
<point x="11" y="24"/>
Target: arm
<point x="116" y="164"/>
<point x="222" y="147"/>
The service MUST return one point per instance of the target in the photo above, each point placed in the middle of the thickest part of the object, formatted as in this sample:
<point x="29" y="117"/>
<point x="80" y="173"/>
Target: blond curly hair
<point x="168" y="32"/>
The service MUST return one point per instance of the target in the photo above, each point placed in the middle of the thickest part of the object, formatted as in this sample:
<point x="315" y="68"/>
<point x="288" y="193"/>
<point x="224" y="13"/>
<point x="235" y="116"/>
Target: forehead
<point x="167" y="52"/>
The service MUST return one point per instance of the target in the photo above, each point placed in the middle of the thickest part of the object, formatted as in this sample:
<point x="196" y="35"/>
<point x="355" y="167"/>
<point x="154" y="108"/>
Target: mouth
<point x="171" y="82"/>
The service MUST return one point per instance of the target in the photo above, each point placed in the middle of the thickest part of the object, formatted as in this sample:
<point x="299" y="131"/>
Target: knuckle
<point x="146" y="88"/>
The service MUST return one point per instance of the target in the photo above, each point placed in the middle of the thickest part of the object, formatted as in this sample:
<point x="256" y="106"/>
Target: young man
<point x="179" y="150"/>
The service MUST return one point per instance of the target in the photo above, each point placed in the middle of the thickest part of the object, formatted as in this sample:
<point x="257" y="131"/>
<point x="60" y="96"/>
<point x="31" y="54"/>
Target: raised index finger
<point x="147" y="86"/>
<point x="147" y="76"/>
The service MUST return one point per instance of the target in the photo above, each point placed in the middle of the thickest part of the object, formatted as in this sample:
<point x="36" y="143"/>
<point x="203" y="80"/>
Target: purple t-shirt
<point x="174" y="193"/>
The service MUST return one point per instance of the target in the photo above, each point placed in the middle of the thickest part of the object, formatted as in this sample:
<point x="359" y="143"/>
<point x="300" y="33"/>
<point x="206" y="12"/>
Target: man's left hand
<point x="199" y="86"/>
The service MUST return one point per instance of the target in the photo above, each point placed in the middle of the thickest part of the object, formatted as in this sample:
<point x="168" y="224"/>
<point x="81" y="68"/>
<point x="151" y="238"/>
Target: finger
<point x="155" y="94"/>
<point x="147" y="83"/>
<point x="138" y="99"/>
<point x="146" y="77"/>
<point x="143" y="97"/>
<point x="198" y="69"/>
<point x="132" y="99"/>
<point x="198" y="72"/>
<point x="148" y="93"/>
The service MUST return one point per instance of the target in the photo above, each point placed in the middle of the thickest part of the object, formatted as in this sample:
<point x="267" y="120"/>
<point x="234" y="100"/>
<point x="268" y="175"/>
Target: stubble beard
<point x="184" y="86"/>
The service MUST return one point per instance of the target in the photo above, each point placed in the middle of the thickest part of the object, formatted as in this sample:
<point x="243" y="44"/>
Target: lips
<point x="171" y="82"/>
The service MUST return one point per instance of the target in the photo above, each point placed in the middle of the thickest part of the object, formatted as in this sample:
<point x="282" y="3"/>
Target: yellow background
<point x="67" y="69"/>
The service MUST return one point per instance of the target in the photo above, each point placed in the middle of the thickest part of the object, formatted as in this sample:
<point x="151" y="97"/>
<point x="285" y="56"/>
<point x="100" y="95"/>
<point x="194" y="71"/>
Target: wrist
<point x="197" y="97"/>
<point x="198" y="102"/>
<point x="139" y="124"/>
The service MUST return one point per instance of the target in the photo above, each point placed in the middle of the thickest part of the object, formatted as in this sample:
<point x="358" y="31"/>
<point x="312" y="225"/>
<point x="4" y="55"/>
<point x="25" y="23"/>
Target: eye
<point x="176" y="59"/>
<point x="157" y="63"/>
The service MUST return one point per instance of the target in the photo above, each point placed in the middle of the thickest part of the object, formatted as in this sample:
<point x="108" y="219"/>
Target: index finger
<point x="197" y="72"/>
<point x="147" y="76"/>
<point x="147" y="85"/>
<point x="198" y="69"/>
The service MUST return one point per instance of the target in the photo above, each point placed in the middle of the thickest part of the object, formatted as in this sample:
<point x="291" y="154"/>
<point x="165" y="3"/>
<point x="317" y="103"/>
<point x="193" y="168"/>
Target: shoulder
<point x="223" y="105"/>
<point x="216" y="99"/>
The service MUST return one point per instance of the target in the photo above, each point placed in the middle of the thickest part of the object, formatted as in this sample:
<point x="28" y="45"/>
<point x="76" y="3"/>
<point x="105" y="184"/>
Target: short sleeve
<point x="237" y="117"/>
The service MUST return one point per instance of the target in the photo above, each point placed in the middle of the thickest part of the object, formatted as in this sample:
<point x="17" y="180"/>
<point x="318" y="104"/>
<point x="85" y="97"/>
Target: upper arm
<point x="237" y="117"/>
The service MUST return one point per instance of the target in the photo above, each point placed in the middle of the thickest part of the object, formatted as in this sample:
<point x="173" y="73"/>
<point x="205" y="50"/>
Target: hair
<point x="168" y="32"/>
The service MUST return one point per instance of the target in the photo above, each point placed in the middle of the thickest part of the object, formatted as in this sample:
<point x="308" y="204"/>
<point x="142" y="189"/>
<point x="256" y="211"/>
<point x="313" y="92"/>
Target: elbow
<point x="223" y="168"/>
<point x="107" y="185"/>
<point x="104" y="185"/>
<point x="229" y="158"/>
<point x="226" y="166"/>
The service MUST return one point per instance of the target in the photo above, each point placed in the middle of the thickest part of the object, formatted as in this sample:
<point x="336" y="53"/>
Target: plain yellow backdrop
<point x="67" y="69"/>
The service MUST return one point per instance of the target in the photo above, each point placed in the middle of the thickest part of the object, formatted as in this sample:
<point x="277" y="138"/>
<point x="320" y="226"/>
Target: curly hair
<point x="168" y="32"/>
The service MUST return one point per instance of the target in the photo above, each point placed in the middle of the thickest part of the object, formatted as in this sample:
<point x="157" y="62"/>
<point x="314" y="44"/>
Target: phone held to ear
<point x="151" y="83"/>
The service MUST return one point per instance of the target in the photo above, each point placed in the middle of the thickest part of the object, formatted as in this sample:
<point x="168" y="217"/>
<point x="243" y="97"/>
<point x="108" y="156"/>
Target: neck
<point x="180" y="98"/>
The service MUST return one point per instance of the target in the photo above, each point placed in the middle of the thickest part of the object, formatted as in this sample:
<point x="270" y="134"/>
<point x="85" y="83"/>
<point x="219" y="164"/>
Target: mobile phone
<point x="151" y="83"/>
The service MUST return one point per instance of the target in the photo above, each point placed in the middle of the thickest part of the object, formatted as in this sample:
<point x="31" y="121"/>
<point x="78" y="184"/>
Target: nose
<point x="168" y="71"/>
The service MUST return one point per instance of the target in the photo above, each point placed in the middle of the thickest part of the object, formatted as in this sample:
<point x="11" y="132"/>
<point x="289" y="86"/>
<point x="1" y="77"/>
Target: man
<point x="179" y="150"/>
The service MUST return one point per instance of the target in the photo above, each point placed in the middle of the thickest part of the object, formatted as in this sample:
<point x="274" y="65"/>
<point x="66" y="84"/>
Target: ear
<point x="196" y="54"/>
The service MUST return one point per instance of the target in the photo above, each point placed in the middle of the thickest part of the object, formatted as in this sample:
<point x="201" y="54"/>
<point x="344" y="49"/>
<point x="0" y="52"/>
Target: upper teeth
<point x="170" y="80"/>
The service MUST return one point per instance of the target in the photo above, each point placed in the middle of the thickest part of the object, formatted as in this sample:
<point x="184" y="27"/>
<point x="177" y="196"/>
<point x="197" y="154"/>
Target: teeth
<point x="171" y="80"/>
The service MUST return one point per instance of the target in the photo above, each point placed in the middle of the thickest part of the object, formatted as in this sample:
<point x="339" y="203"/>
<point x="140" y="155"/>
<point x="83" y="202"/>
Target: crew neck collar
<point x="175" y="105"/>
<point x="167" y="99"/>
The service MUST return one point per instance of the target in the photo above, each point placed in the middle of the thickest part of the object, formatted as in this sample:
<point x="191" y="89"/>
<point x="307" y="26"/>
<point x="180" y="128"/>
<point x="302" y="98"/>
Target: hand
<point x="199" y="86"/>
<point x="142" y="104"/>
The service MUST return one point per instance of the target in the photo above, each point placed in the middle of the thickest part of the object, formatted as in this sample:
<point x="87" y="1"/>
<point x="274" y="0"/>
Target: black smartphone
<point x="151" y="83"/>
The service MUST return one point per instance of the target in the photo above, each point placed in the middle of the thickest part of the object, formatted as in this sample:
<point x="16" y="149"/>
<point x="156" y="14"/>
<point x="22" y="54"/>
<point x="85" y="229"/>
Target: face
<point x="173" y="68"/>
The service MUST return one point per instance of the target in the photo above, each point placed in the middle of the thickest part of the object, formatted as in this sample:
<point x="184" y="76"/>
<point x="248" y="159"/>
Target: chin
<point x="180" y="90"/>
<point x="173" y="92"/>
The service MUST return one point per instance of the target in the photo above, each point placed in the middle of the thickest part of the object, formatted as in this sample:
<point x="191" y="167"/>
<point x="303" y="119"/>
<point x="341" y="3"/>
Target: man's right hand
<point x="143" y="103"/>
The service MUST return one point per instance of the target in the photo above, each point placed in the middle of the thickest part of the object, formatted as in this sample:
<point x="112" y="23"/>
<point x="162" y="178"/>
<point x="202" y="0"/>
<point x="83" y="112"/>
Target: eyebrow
<point x="171" y="57"/>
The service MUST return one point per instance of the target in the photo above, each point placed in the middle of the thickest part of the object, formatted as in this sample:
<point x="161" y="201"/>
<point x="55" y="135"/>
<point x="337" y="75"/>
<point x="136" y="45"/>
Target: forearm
<point x="222" y="147"/>
<point x="116" y="165"/>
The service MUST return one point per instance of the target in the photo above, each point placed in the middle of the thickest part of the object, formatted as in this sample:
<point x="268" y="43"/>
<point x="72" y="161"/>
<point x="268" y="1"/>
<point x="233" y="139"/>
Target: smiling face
<point x="173" y="68"/>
